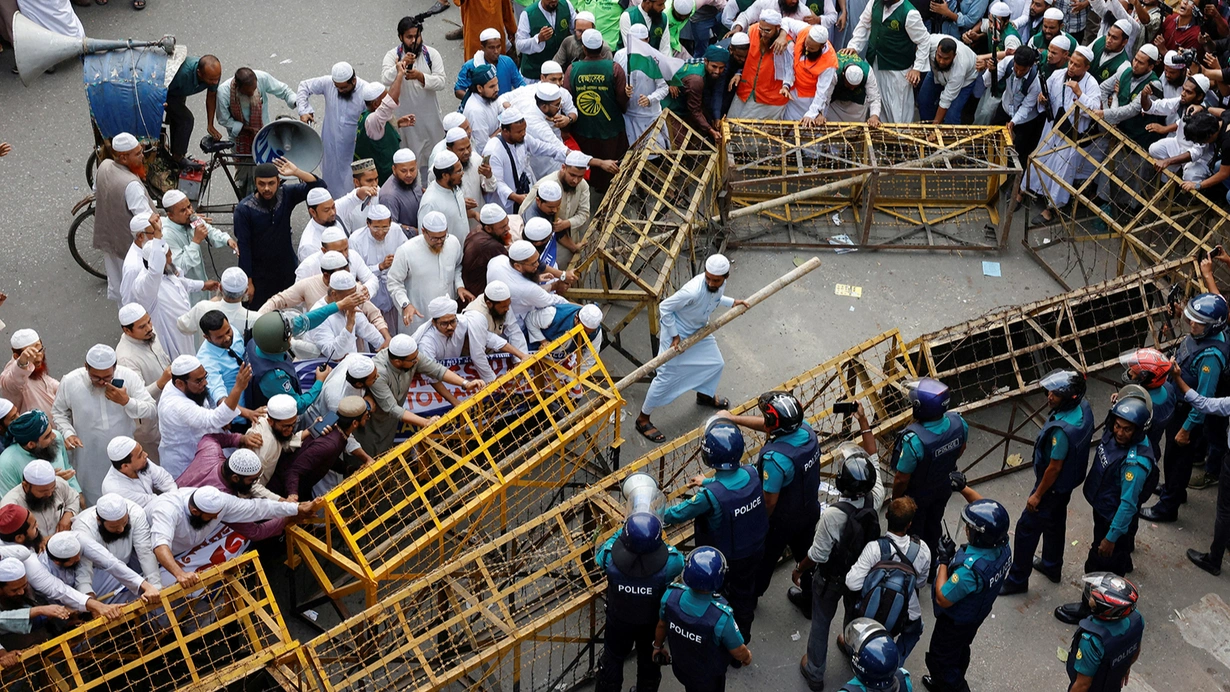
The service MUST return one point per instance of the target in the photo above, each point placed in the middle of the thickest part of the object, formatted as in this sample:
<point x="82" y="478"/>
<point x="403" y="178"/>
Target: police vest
<point x="1077" y="459"/>
<point x="381" y="150"/>
<point x="843" y="92"/>
<point x="902" y="679"/>
<point x="1134" y="128"/>
<point x="1119" y="650"/>
<point x="1161" y="415"/>
<point x="744" y="519"/>
<point x="940" y="453"/>
<point x="593" y="88"/>
<point x="1191" y="348"/>
<point x="261" y="366"/>
<point x="636" y="583"/>
<point x="990" y="572"/>
<point x="798" y="503"/>
<point x="1103" y="487"/>
<point x="531" y="63"/>
<point x="888" y="42"/>
<point x="697" y="655"/>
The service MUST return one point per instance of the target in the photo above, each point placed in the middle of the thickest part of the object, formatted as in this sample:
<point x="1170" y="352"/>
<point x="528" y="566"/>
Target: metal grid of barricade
<point x="1117" y="214"/>
<point x="227" y="629"/>
<point x="497" y="460"/>
<point x="903" y="185"/>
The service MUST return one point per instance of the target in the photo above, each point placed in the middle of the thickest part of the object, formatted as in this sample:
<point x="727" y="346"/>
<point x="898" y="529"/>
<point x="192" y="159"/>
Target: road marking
<point x="1204" y="624"/>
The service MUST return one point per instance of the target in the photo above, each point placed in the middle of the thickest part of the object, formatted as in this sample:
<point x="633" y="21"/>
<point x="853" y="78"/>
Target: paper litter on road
<point x="285" y="61"/>
<point x="848" y="290"/>
<point x="991" y="269"/>
<point x="842" y="239"/>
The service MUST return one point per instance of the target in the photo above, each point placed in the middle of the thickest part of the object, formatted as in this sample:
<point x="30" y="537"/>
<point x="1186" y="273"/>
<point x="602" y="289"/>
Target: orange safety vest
<point x="762" y="77"/>
<point x="807" y="72"/>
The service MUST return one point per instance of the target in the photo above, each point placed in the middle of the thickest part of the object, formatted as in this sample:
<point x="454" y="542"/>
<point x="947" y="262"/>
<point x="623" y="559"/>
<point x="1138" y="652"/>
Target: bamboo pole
<point x="669" y="353"/>
<point x="830" y="188"/>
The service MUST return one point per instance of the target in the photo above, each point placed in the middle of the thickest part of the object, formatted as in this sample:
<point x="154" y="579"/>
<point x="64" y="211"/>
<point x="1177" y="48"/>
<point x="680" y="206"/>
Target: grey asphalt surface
<point x="1185" y="648"/>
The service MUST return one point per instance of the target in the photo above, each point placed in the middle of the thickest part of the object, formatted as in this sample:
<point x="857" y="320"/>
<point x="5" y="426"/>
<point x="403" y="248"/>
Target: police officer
<point x="1210" y="561"/>
<point x="1150" y="368"/>
<point x="789" y="468"/>
<point x="875" y="659"/>
<point x="967" y="582"/>
<point x="925" y="453"/>
<point x="1108" y="641"/>
<point x="730" y="515"/>
<point x="639" y="566"/>
<point x="1061" y="456"/>
<point x="700" y="626"/>
<point x="1202" y="357"/>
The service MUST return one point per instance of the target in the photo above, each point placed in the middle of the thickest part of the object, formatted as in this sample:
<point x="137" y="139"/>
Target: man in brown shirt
<point x="483" y="244"/>
<point x="306" y="291"/>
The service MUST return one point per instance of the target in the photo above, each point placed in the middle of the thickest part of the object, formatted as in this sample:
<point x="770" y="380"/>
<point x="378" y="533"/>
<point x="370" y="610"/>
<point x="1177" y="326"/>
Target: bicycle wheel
<point x="80" y="241"/>
<point x="91" y="165"/>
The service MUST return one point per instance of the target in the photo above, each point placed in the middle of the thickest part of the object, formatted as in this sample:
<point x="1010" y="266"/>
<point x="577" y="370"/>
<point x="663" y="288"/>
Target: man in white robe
<point x="377" y="243"/>
<point x="342" y="110"/>
<point x="236" y="287"/>
<point x="848" y="111"/>
<point x="334" y="240"/>
<point x="132" y="475"/>
<point x="487" y="317"/>
<point x="699" y="368"/>
<point x="509" y="155"/>
<point x="337" y="336"/>
<point x="447" y="336"/>
<point x="164" y="294"/>
<point x="322" y="214"/>
<point x="122" y="529"/>
<point x="896" y="78"/>
<point x="482" y="106"/>
<point x="646" y="87"/>
<point x="65" y="558"/>
<point x="801" y="12"/>
<point x="1066" y="87"/>
<point x="352" y="206"/>
<point x="445" y="195"/>
<point x="140" y="349"/>
<point x="1185" y="154"/>
<point x="544" y="115"/>
<point x="424" y="78"/>
<point x="186" y="413"/>
<point x="426" y="267"/>
<point x="518" y="270"/>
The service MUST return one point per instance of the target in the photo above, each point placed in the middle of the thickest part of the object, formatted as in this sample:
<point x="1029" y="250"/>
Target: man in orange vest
<point x="815" y="73"/>
<point x="767" y="77"/>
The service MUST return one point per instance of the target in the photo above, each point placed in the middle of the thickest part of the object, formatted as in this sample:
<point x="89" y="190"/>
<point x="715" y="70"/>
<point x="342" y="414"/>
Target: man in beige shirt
<point x="24" y="380"/>
<point x="572" y="219"/>
<point x="140" y="350"/>
<point x="277" y="431"/>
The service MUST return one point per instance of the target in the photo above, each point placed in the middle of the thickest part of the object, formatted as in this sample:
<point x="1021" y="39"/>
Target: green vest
<point x="679" y="104"/>
<point x="1039" y="42"/>
<point x="593" y="88"/>
<point x="998" y="45"/>
<point x="1134" y="128"/>
<point x="843" y="93"/>
<point x="1103" y="71"/>
<point x="379" y="150"/>
<point x="889" y="43"/>
<point x="656" y="28"/>
<point x="531" y="63"/>
<point x="1010" y="30"/>
<point x="606" y="15"/>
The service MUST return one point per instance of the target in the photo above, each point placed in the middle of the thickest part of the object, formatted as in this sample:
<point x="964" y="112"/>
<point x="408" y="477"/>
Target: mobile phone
<point x="117" y="383"/>
<point x="487" y="160"/>
<point x="1216" y="252"/>
<point x="845" y="407"/>
<point x="319" y="428"/>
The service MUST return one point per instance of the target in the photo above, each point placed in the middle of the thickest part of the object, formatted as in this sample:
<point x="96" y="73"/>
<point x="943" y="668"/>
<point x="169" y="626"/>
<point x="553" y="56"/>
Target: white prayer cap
<point x="492" y="213"/>
<point x="244" y="462"/>
<point x="100" y="357"/>
<point x="577" y="159"/>
<point x="341" y="72"/>
<point x="234" y="280"/>
<point x="39" y="472"/>
<point x="488" y="34"/>
<point x="452" y="120"/>
<point x="23" y="338"/>
<point x="208" y="499"/>
<point x="120" y="447"/>
<point x="497" y="291"/>
<point x="1001" y="9"/>
<point x="111" y="507"/>
<point x="771" y="16"/>
<point x="1125" y="26"/>
<point x="139" y="222"/>
<point x="342" y="281"/>
<point x="585" y="16"/>
<point x="591" y="39"/>
<point x="854" y="76"/>
<point x="403" y="156"/>
<point x="11" y="569"/>
<point x="172" y="197"/>
<point x="510" y="116"/>
<point x="130" y="313"/>
<point x="332" y="234"/>
<point x="282" y="407"/>
<point x="1201" y="81"/>
<point x="332" y="260"/>
<point x="1086" y="51"/>
<point x="64" y="545"/>
<point x="537" y="229"/>
<point x="717" y="265"/>
<point x="435" y="221"/>
<point x="124" y="142"/>
<point x="521" y="250"/>
<point x="741" y="38"/>
<point x="6" y="406"/>
<point x="683" y="7"/>
<point x="639" y="31"/>
<point x="1172" y="59"/>
<point x="1060" y="42"/>
<point x="552" y="67"/>
<point x="361" y="367"/>
<point x="550" y="191"/>
<point x="455" y="134"/>
<point x="402" y="345"/>
<point x="184" y="364"/>
<point x="548" y="91"/>
<point x="441" y="306"/>
<point x="318" y="195"/>
<point x="445" y="160"/>
<point x="818" y="34"/>
<point x="155" y="252"/>
<point x="591" y="316"/>
<point x="1150" y="50"/>
<point x="378" y="212"/>
<point x="1053" y="13"/>
<point x="372" y="91"/>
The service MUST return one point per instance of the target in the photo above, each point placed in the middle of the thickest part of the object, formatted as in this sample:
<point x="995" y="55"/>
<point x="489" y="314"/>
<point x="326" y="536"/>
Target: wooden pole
<point x="669" y="353"/>
<point x="830" y="188"/>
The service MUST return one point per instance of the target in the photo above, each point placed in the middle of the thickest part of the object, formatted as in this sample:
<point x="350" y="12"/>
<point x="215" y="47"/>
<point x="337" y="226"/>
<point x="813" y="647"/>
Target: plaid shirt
<point x="1073" y="22"/>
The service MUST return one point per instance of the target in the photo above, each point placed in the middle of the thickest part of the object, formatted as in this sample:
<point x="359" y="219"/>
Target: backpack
<point x="862" y="527"/>
<point x="889" y="586"/>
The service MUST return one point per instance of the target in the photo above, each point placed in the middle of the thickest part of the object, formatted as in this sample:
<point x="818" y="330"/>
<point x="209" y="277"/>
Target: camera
<point x="1186" y="57"/>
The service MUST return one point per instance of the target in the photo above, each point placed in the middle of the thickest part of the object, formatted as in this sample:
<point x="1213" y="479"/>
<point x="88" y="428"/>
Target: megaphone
<point x="291" y="139"/>
<point x="37" y="50"/>
<point x="641" y="494"/>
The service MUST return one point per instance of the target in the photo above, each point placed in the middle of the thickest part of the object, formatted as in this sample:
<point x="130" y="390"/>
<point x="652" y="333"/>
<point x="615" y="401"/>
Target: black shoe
<point x="1068" y="613"/>
<point x="1010" y="589"/>
<point x="800" y="600"/>
<point x="1152" y="514"/>
<point x="929" y="683"/>
<point x="1202" y="561"/>
<point x="1038" y="567"/>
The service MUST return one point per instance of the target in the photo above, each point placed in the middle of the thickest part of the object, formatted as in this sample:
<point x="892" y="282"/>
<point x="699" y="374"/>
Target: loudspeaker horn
<point x="641" y="494"/>
<point x="291" y="139"/>
<point x="37" y="50"/>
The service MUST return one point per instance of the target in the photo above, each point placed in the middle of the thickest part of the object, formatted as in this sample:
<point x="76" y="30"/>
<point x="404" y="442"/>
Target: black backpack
<point x="889" y="586"/>
<point x="862" y="527"/>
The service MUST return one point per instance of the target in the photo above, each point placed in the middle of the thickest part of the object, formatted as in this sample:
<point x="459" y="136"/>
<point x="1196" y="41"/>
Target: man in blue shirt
<point x="220" y="354"/>
<point x="1108" y="641"/>
<point x="194" y="76"/>
<point x="493" y="54"/>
